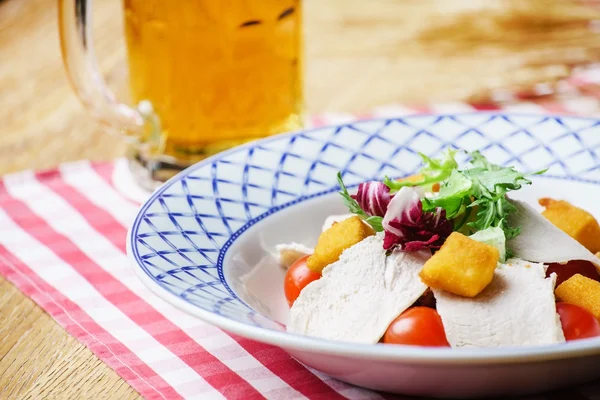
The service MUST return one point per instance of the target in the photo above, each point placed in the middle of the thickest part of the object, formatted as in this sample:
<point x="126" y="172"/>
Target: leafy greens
<point x="474" y="197"/>
<point x="469" y="200"/>
<point x="355" y="208"/>
<point x="433" y="171"/>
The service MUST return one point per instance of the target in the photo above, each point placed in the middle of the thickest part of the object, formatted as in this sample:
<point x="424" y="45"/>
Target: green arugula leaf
<point x="453" y="206"/>
<point x="433" y="171"/>
<point x="375" y="222"/>
<point x="460" y="224"/>
<point x="349" y="202"/>
<point x="481" y="187"/>
<point x="452" y="195"/>
<point x="355" y="208"/>
<point x="458" y="185"/>
<point x="475" y="197"/>
<point x="486" y="215"/>
<point x="478" y="160"/>
<point x="507" y="178"/>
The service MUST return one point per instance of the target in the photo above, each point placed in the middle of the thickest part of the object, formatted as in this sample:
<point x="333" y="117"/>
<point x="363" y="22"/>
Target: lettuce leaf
<point x="451" y="196"/>
<point x="472" y="199"/>
<point x="479" y="189"/>
<point x="433" y="171"/>
<point x="494" y="237"/>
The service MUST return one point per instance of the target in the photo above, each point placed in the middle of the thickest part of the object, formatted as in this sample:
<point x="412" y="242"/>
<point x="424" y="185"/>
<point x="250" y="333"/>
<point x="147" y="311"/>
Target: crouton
<point x="577" y="223"/>
<point x="462" y="266"/>
<point x="335" y="240"/>
<point x="581" y="291"/>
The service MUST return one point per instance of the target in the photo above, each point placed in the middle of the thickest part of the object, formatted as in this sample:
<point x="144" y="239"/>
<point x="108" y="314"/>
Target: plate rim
<point x="412" y="354"/>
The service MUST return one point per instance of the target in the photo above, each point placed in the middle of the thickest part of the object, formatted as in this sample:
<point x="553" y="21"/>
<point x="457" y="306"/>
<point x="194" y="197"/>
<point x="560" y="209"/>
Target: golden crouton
<point x="462" y="266"/>
<point x="581" y="291"/>
<point x="577" y="223"/>
<point x="335" y="240"/>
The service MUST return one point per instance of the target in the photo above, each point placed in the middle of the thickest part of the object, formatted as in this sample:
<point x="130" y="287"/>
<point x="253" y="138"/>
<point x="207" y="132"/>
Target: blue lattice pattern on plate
<point x="182" y="231"/>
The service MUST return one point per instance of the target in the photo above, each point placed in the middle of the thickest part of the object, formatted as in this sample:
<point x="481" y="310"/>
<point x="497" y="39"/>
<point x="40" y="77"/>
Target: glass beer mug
<point x="204" y="75"/>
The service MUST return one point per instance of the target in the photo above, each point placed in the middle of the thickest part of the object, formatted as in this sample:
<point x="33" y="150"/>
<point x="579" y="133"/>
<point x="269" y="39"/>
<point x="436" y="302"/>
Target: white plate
<point x="203" y="240"/>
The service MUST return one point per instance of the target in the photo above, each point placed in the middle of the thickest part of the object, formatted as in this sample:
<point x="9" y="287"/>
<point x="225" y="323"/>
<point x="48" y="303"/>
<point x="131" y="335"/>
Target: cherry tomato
<point x="565" y="271"/>
<point x="297" y="277"/>
<point x="420" y="326"/>
<point x="577" y="323"/>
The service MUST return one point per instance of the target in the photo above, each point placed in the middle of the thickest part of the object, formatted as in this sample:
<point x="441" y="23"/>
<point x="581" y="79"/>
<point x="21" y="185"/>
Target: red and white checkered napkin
<point x="62" y="242"/>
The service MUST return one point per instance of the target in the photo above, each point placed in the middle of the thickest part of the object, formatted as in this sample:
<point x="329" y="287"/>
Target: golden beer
<point x="217" y="72"/>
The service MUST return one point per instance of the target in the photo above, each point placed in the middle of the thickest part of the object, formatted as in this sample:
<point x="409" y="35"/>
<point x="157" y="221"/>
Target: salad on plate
<point x="447" y="257"/>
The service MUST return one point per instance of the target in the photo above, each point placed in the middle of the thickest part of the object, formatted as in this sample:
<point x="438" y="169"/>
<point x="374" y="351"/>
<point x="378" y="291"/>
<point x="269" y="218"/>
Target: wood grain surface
<point x="42" y="124"/>
<point x="354" y="62"/>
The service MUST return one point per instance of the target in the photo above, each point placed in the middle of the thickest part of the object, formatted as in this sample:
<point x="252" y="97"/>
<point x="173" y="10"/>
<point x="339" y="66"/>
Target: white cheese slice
<point x="541" y="241"/>
<point x="360" y="295"/>
<point x="516" y="309"/>
<point x="287" y="253"/>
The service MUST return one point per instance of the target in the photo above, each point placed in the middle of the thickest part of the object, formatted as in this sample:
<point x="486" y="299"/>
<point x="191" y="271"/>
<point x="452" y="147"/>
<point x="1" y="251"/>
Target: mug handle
<point x="75" y="26"/>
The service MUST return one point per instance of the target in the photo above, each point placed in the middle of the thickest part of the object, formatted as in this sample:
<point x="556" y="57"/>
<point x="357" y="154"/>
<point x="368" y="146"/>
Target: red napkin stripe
<point x="164" y="331"/>
<point x="141" y="377"/>
<point x="296" y="379"/>
<point x="104" y="223"/>
<point x="62" y="242"/>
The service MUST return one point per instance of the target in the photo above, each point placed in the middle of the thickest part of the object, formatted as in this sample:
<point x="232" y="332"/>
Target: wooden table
<point x="43" y="124"/>
<point x="352" y="46"/>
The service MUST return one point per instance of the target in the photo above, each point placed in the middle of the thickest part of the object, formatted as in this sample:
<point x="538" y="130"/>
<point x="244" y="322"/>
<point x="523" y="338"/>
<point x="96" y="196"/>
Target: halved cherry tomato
<point x="577" y="323"/>
<point x="297" y="277"/>
<point x="420" y="326"/>
<point x="565" y="271"/>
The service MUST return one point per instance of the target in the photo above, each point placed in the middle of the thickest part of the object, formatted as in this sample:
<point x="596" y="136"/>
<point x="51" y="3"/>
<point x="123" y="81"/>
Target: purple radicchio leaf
<point x="373" y="197"/>
<point x="407" y="226"/>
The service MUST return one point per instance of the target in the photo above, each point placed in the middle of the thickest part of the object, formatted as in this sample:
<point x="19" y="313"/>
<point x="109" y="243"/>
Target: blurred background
<point x="359" y="54"/>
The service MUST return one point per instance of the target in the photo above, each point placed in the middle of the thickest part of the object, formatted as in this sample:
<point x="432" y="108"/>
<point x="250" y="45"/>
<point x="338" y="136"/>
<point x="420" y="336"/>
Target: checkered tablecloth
<point x="62" y="242"/>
